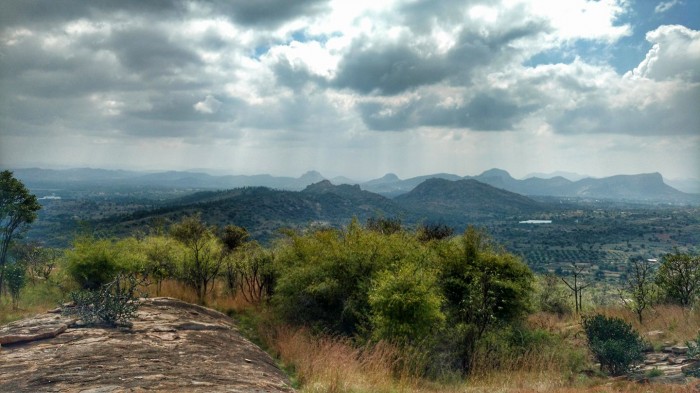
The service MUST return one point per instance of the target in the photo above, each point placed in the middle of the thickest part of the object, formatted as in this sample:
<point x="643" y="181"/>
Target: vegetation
<point x="384" y="306"/>
<point x="17" y="210"/>
<point x="112" y="304"/>
<point x="679" y="277"/>
<point x="613" y="342"/>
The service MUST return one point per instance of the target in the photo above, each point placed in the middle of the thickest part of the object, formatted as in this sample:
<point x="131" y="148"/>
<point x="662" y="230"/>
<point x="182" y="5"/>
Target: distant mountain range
<point x="643" y="187"/>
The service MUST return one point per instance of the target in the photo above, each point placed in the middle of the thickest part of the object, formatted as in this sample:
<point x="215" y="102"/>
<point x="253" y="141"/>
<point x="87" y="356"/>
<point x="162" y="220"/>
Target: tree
<point x="40" y="261"/>
<point x="385" y="226"/>
<point x="204" y="257"/>
<point x="483" y="286"/>
<point x="18" y="208"/>
<point x="433" y="231"/>
<point x="159" y="253"/>
<point x="576" y="285"/>
<point x="679" y="277"/>
<point x="406" y="305"/>
<point x="639" y="284"/>
<point x="16" y="279"/>
<point x="232" y="238"/>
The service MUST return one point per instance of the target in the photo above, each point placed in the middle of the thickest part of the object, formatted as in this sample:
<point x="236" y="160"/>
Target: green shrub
<point x="92" y="263"/>
<point x="613" y="342"/>
<point x="405" y="305"/>
<point x="113" y="304"/>
<point x="15" y="278"/>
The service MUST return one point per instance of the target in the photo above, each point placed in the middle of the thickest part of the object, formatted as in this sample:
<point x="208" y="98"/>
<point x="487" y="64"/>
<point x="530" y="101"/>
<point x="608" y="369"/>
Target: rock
<point x="169" y="348"/>
<point x="655" y="334"/>
<point x="693" y="366"/>
<point x="36" y="328"/>
<point x="679" y="349"/>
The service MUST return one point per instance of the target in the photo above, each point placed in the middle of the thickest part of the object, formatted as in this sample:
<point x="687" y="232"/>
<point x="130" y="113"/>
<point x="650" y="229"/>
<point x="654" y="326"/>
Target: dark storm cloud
<point x="487" y="111"/>
<point x="48" y="12"/>
<point x="268" y="13"/>
<point x="151" y="52"/>
<point x="388" y="70"/>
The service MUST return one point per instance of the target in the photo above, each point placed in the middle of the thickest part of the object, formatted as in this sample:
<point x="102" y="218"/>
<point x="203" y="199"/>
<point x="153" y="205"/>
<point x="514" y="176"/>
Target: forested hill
<point x="466" y="200"/>
<point x="264" y="211"/>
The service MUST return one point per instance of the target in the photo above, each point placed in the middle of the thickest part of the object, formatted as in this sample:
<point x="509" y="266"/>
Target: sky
<point x="356" y="88"/>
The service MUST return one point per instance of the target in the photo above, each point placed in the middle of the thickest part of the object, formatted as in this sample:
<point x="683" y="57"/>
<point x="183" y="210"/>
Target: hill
<point x="264" y="211"/>
<point x="465" y="199"/>
<point x="648" y="187"/>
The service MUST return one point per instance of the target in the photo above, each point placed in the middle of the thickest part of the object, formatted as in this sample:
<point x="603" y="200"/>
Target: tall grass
<point x="35" y="298"/>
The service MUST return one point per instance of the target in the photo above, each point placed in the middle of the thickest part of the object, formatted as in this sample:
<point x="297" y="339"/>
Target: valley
<point x="600" y="233"/>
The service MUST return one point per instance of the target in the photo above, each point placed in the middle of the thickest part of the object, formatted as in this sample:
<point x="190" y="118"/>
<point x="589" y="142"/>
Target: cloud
<point x="675" y="54"/>
<point x="316" y="75"/>
<point x="665" y="6"/>
<point x="209" y="105"/>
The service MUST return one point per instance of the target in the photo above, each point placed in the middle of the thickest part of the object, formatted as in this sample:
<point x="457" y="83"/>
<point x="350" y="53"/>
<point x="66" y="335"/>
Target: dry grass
<point x="678" y="324"/>
<point x="331" y="364"/>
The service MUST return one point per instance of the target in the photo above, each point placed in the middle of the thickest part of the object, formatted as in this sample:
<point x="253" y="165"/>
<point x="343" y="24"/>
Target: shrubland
<point x="379" y="308"/>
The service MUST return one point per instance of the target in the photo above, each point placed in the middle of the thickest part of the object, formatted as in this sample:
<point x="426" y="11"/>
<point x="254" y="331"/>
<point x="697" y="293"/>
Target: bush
<point x="92" y="263"/>
<point x="613" y="342"/>
<point x="405" y="305"/>
<point x="113" y="304"/>
<point x="15" y="277"/>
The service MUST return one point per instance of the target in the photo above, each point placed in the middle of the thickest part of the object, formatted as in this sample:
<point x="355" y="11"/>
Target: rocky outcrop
<point x="172" y="346"/>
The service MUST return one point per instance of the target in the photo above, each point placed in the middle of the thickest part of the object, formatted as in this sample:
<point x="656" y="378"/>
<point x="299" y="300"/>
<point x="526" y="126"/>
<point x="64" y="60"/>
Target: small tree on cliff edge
<point x="17" y="209"/>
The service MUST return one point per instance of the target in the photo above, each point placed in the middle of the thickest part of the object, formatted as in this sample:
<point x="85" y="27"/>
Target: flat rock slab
<point x="32" y="329"/>
<point x="172" y="346"/>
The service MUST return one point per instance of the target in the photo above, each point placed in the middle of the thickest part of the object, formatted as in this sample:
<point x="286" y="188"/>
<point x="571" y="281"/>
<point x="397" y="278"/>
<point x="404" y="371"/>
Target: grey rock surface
<point x="172" y="346"/>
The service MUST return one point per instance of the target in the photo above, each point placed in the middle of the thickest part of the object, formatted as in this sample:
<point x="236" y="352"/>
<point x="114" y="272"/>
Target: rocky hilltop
<point x="172" y="346"/>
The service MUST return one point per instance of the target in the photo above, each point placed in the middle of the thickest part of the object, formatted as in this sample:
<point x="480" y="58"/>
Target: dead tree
<point x="576" y="285"/>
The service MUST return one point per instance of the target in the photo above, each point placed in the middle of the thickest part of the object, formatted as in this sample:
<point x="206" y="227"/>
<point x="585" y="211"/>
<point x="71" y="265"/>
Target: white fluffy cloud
<point x="675" y="54"/>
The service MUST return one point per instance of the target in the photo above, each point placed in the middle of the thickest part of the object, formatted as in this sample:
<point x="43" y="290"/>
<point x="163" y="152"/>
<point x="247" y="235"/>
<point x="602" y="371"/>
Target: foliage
<point x="552" y="297"/>
<point x="613" y="342"/>
<point x="431" y="231"/>
<point x="17" y="209"/>
<point x="639" y="284"/>
<point x="393" y="287"/>
<point x="385" y="226"/>
<point x="40" y="261"/>
<point x="93" y="263"/>
<point x="202" y="256"/>
<point x="251" y="267"/>
<point x="160" y="255"/>
<point x="324" y="277"/>
<point x="483" y="286"/>
<point x="15" y="278"/>
<point x="679" y="277"/>
<point x="232" y="238"/>
<point x="112" y="304"/>
<point x="405" y="304"/>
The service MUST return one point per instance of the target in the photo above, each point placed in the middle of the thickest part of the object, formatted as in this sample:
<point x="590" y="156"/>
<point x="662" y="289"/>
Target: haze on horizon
<point x="356" y="88"/>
